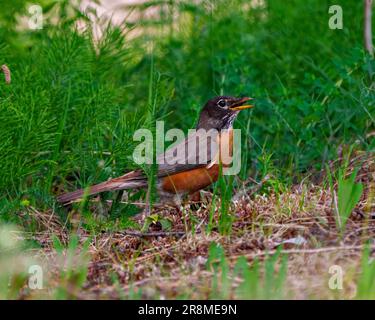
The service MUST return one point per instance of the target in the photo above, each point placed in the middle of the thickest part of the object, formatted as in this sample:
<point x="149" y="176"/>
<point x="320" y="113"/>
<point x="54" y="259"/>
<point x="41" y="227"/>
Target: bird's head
<point x="220" y="112"/>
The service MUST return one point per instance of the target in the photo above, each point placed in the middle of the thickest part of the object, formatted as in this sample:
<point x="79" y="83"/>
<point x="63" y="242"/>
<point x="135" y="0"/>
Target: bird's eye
<point x="221" y="103"/>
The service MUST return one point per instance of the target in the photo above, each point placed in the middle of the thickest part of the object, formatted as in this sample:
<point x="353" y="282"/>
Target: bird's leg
<point x="195" y="197"/>
<point x="194" y="200"/>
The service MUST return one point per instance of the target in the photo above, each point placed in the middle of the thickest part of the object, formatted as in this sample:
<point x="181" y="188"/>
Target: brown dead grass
<point x="172" y="265"/>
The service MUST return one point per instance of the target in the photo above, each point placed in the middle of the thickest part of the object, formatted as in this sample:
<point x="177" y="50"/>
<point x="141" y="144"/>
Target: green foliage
<point x="366" y="280"/>
<point x="156" y="219"/>
<point x="348" y="195"/>
<point x="218" y="265"/>
<point x="225" y="217"/>
<point x="270" y="285"/>
<point x="260" y="280"/>
<point x="73" y="266"/>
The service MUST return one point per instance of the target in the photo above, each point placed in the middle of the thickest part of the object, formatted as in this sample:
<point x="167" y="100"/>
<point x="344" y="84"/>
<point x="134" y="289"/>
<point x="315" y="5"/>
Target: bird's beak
<point x="240" y="104"/>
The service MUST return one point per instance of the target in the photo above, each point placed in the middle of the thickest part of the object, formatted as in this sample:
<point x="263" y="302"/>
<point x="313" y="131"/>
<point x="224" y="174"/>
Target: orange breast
<point x="196" y="179"/>
<point x="190" y="181"/>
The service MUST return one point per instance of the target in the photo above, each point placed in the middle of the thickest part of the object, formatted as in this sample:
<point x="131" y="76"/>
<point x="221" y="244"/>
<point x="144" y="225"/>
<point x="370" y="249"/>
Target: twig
<point x="153" y="234"/>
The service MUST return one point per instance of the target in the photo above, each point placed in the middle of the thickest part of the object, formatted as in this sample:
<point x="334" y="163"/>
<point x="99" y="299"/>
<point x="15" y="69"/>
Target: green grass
<point x="261" y="280"/>
<point x="348" y="195"/>
<point x="69" y="115"/>
<point x="366" y="283"/>
<point x="74" y="267"/>
<point x="79" y="106"/>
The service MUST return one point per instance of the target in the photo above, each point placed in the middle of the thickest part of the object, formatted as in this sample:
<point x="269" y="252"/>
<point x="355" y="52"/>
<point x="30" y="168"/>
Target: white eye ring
<point x="221" y="103"/>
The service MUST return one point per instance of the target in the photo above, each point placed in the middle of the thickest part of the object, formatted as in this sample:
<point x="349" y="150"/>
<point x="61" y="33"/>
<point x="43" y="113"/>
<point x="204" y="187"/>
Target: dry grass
<point x="173" y="264"/>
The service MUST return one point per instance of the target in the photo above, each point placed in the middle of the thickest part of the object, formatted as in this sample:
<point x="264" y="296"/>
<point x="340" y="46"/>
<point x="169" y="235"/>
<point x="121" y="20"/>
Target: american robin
<point x="189" y="171"/>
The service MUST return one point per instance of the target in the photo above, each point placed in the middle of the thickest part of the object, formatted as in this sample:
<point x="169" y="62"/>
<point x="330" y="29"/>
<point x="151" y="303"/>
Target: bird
<point x="183" y="176"/>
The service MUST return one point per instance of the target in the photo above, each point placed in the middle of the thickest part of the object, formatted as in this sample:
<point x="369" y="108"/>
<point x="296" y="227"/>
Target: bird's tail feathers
<point x="134" y="179"/>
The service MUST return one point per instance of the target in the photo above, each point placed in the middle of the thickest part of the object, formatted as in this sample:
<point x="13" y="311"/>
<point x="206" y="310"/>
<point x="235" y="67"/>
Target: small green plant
<point x="211" y="223"/>
<point x="260" y="280"/>
<point x="366" y="281"/>
<point x="217" y="263"/>
<point x="348" y="195"/>
<point x="73" y="262"/>
<point x="156" y="219"/>
<point x="226" y="192"/>
<point x="223" y="189"/>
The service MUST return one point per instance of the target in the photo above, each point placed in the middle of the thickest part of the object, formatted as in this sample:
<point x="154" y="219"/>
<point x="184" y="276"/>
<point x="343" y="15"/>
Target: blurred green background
<point x="68" y="117"/>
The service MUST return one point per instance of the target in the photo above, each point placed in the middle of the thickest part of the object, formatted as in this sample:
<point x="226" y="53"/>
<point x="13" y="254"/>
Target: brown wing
<point x="197" y="150"/>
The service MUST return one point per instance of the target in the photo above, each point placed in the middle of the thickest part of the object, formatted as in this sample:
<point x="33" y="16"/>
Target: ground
<point x="284" y="245"/>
